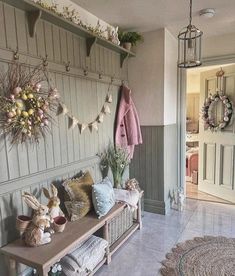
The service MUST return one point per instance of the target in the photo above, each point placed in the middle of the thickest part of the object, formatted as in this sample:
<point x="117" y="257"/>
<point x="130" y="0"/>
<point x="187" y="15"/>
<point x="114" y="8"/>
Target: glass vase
<point x="117" y="180"/>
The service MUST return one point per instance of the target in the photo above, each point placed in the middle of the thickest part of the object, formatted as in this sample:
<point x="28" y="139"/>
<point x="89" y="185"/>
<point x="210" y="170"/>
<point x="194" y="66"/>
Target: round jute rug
<point x="207" y="256"/>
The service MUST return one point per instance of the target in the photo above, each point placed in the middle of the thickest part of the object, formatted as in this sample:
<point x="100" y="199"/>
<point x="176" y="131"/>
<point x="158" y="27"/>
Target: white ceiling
<point x="148" y="15"/>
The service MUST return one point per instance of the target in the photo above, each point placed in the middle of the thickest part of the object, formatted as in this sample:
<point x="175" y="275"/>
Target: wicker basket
<point x="120" y="224"/>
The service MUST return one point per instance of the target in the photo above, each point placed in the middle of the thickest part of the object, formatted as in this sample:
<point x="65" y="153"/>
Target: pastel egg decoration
<point x="26" y="109"/>
<point x="211" y="104"/>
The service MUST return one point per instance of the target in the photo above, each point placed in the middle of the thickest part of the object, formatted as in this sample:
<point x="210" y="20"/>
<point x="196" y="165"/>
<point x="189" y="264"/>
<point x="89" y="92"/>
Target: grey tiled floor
<point x="142" y="253"/>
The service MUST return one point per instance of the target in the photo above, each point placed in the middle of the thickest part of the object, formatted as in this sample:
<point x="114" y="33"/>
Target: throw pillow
<point x="79" y="191"/>
<point x="80" y="207"/>
<point x="103" y="197"/>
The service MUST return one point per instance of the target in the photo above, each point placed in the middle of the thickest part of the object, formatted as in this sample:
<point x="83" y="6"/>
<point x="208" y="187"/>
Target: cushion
<point x="131" y="198"/>
<point x="80" y="207"/>
<point x="79" y="191"/>
<point x="103" y="197"/>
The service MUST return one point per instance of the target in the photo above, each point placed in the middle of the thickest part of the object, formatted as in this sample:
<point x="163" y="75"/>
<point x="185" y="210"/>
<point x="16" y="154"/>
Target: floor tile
<point x="143" y="252"/>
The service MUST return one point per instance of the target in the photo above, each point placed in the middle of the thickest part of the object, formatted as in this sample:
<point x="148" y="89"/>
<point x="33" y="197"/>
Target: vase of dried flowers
<point x="117" y="159"/>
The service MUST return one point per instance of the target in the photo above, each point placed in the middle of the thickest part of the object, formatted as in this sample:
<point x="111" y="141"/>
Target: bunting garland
<point x="93" y="125"/>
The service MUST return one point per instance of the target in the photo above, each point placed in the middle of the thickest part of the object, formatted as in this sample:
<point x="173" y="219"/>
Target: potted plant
<point x="128" y="39"/>
<point x="118" y="160"/>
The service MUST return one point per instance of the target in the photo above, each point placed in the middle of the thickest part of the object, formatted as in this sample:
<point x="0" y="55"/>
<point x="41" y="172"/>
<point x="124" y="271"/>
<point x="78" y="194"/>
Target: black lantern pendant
<point x="189" y="45"/>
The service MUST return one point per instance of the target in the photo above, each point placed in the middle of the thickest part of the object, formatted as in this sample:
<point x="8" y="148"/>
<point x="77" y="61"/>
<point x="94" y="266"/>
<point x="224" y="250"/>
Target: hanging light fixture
<point x="189" y="45"/>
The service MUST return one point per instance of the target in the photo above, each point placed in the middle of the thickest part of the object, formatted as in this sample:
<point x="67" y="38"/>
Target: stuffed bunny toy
<point x="54" y="202"/>
<point x="34" y="234"/>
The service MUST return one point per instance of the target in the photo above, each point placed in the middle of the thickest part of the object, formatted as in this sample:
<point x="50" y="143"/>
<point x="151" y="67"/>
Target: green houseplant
<point x="128" y="39"/>
<point x="117" y="159"/>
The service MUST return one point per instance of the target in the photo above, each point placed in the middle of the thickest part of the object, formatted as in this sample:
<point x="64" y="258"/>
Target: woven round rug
<point x="206" y="256"/>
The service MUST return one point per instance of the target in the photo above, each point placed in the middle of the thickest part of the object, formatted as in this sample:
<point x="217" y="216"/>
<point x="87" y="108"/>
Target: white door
<point x="217" y="149"/>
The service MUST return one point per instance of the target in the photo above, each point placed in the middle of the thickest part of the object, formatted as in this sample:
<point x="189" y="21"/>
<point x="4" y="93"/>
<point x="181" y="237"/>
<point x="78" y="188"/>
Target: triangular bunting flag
<point x="82" y="127"/>
<point x="94" y="126"/>
<point x="106" y="109"/>
<point x="109" y="98"/>
<point x="74" y="122"/>
<point x="100" y="118"/>
<point x="64" y="109"/>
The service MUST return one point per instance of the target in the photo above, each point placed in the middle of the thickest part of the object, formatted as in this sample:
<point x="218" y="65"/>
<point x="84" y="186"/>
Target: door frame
<point x="181" y="113"/>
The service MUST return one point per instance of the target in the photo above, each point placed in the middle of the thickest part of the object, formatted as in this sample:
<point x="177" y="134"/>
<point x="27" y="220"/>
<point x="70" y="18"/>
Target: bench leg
<point x="43" y="271"/>
<point x="106" y="237"/>
<point x="11" y="267"/>
<point x="139" y="217"/>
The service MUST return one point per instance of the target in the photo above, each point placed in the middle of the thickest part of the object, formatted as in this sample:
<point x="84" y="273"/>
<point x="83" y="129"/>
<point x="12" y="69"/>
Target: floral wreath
<point x="209" y="120"/>
<point x="25" y="105"/>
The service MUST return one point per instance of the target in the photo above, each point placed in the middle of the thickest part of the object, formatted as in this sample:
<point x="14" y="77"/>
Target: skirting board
<point x="155" y="206"/>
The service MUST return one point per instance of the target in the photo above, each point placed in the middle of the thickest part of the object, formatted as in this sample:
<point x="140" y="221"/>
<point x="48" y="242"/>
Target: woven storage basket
<point x="120" y="224"/>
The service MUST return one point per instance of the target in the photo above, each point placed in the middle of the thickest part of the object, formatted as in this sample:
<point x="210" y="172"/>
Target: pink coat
<point x="127" y="132"/>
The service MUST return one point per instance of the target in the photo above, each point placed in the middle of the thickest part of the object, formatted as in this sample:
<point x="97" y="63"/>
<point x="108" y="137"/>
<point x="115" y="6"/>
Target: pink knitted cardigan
<point x="127" y="132"/>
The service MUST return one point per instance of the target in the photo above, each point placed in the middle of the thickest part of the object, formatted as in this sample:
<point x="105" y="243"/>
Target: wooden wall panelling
<point x="4" y="171"/>
<point x="48" y="41"/>
<point x="62" y="123"/>
<point x="67" y="99"/>
<point x="63" y="47"/>
<point x="64" y="152"/>
<point x="55" y="132"/>
<point x="76" y="48"/>
<point x="2" y="27"/>
<point x="56" y="43"/>
<point x="21" y="31"/>
<point x="10" y="27"/>
<point x="70" y="50"/>
<point x="40" y="39"/>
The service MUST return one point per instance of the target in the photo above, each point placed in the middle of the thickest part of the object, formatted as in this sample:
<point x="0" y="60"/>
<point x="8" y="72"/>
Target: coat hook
<point x="44" y="61"/>
<point x="123" y="82"/>
<point x="16" y="54"/>
<point x="85" y="72"/>
<point x="112" y="78"/>
<point x="100" y="75"/>
<point x="67" y="66"/>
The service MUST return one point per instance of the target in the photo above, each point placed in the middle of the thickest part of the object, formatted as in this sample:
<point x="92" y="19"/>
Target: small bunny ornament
<point x="34" y="234"/>
<point x="54" y="202"/>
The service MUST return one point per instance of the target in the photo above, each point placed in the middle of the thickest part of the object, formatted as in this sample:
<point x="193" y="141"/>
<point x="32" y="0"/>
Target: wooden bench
<point x="43" y="257"/>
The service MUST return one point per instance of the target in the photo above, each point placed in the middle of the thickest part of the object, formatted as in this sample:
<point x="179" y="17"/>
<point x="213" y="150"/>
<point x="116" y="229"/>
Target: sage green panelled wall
<point x="65" y="152"/>
<point x="155" y="166"/>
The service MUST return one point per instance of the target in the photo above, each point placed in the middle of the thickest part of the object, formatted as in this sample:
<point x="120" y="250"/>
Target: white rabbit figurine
<point x="34" y="234"/>
<point x="54" y="202"/>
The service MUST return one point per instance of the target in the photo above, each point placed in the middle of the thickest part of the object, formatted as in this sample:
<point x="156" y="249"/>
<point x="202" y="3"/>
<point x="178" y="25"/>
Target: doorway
<point x="209" y="157"/>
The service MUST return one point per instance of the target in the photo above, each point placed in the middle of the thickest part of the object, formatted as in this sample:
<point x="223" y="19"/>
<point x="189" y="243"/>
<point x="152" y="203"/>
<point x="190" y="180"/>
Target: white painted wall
<point x="170" y="78"/>
<point x="146" y="78"/>
<point x="153" y="78"/>
<point x="218" y="45"/>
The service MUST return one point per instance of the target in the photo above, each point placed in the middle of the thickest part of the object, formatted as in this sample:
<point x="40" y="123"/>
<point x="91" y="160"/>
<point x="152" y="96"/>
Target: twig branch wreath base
<point x="207" y="111"/>
<point x="26" y="103"/>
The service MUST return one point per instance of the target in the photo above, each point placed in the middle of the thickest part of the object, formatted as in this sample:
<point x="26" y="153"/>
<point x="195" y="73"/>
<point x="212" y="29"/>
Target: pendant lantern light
<point x="189" y="45"/>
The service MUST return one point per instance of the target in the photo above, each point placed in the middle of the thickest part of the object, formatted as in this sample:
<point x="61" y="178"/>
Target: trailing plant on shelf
<point x="129" y="39"/>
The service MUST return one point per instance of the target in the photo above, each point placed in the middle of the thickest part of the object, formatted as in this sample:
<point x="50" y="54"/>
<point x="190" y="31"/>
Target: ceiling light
<point x="189" y="45"/>
<point x="207" y="13"/>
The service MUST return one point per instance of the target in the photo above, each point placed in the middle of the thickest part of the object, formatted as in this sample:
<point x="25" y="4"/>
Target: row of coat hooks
<point x="67" y="66"/>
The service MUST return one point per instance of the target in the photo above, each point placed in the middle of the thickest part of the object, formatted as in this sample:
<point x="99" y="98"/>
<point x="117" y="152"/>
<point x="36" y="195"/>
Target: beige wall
<point x="218" y="45"/>
<point x="193" y="83"/>
<point x="153" y="78"/>
<point x="146" y="78"/>
<point x="170" y="78"/>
